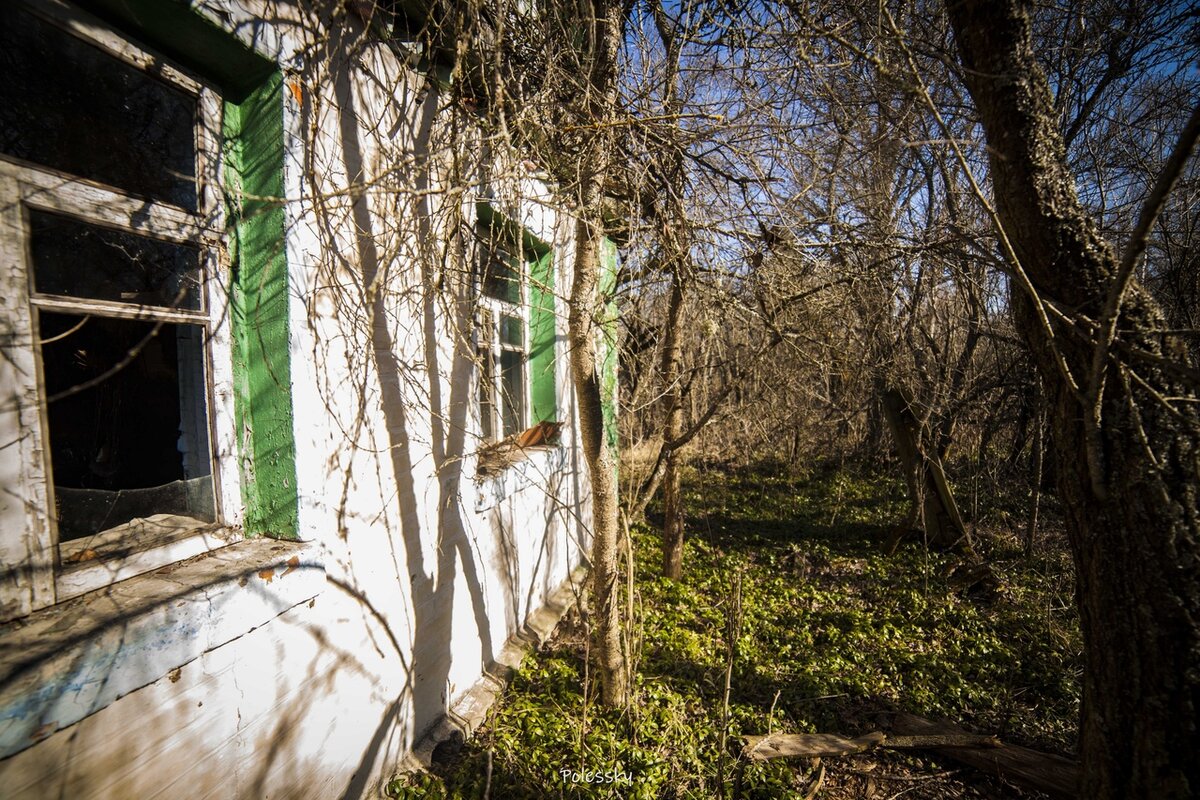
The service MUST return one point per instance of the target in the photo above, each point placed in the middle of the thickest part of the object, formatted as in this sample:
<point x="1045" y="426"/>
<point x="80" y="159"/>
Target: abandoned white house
<point x="267" y="292"/>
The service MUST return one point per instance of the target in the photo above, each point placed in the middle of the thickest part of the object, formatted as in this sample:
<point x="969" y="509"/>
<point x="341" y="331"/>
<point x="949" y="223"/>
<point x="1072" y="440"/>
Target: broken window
<point x="126" y="419"/>
<point x="68" y="104"/>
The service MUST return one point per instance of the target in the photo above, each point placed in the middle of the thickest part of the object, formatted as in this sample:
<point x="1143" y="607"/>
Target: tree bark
<point x="1132" y="504"/>
<point x="585" y="306"/>
<point x="606" y="550"/>
<point x="674" y="237"/>
<point x="1035" y="478"/>
<point x="928" y="490"/>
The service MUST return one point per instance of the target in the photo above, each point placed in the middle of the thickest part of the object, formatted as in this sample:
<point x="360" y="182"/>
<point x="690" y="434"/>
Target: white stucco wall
<point x="428" y="572"/>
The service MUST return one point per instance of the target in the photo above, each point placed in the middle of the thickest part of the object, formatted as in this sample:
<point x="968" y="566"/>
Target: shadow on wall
<point x="433" y="585"/>
<point x="264" y="708"/>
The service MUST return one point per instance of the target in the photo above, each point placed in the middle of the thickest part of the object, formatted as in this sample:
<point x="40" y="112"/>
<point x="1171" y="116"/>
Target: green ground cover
<point x="831" y="634"/>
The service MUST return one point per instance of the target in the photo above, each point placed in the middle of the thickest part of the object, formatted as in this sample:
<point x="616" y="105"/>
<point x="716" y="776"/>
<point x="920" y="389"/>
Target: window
<point x="502" y="338"/>
<point x="516" y="328"/>
<point x="115" y="317"/>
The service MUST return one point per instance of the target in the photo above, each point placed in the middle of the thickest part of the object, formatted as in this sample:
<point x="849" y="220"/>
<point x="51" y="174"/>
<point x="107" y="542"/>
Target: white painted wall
<point x="429" y="572"/>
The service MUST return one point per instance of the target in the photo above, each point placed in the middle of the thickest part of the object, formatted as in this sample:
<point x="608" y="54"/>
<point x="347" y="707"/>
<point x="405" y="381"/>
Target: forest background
<point x="904" y="287"/>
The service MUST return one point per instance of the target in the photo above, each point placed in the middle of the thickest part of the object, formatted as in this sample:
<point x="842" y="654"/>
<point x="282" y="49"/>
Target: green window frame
<point x="610" y="262"/>
<point x="515" y="282"/>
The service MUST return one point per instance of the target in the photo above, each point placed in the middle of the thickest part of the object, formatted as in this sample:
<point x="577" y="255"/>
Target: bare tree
<point x="1123" y="407"/>
<point x="593" y="30"/>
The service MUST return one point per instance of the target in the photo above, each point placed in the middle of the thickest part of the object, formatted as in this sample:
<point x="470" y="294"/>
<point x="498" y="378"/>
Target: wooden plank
<point x="817" y="745"/>
<point x="807" y="745"/>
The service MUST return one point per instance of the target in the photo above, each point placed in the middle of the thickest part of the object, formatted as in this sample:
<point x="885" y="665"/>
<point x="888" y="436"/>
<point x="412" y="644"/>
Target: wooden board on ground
<point x="817" y="745"/>
<point x="1054" y="775"/>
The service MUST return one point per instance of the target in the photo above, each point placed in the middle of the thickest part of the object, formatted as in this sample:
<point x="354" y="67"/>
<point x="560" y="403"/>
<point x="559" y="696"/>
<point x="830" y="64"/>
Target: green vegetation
<point x="833" y="632"/>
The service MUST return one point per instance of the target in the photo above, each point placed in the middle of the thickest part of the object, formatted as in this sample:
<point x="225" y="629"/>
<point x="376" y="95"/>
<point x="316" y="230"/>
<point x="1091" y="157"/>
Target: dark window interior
<point x="135" y="443"/>
<point x="512" y="372"/>
<point x="512" y="383"/>
<point x="487" y="375"/>
<point x="76" y="259"/>
<point x="501" y="275"/>
<point x="68" y="105"/>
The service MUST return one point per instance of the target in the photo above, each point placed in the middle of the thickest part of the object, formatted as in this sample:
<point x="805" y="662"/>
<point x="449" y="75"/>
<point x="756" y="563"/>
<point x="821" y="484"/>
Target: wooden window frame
<point x="490" y="344"/>
<point x="54" y="572"/>
<point x="537" y="310"/>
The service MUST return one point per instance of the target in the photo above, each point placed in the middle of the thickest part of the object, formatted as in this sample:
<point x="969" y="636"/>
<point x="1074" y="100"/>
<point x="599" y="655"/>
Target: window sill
<point x="135" y="548"/>
<point x="534" y="466"/>
<point x="60" y="664"/>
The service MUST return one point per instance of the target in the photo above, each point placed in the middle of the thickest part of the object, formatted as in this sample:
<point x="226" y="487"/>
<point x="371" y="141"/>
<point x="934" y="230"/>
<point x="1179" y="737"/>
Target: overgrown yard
<point x="787" y="575"/>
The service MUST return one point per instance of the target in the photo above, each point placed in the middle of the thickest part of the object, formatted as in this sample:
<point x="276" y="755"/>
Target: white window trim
<point x="490" y="334"/>
<point x="28" y="540"/>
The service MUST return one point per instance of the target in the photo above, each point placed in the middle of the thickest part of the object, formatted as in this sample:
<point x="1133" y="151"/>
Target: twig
<point x="917" y="780"/>
<point x="733" y="630"/>
<point x="1120" y="285"/>
<point x="615" y="123"/>
<point x="817" y="783"/>
<point x="1010" y="253"/>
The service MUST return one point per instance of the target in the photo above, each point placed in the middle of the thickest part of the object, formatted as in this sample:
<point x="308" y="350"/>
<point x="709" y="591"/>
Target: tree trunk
<point x="1035" y="478"/>
<point x="928" y="490"/>
<point x="674" y="237"/>
<point x="673" y="530"/>
<point x="585" y="306"/>
<point x="1132" y="504"/>
<point x="606" y="539"/>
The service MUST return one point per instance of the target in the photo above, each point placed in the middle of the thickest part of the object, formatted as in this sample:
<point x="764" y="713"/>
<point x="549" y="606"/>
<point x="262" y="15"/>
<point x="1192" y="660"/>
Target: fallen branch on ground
<point x="1054" y="775"/>
<point x="817" y="745"/>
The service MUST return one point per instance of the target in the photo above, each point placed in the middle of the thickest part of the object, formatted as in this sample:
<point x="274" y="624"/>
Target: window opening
<point x="125" y="442"/>
<point x="120" y="311"/>
<point x="503" y="336"/>
<point x="77" y="259"/>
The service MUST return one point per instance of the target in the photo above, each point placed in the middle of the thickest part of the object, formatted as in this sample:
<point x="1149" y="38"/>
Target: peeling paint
<point x="142" y="632"/>
<point x="254" y="142"/>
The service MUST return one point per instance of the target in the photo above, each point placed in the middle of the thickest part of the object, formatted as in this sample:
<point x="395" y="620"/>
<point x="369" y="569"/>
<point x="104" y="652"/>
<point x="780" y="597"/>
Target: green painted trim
<point x="253" y="135"/>
<point x="609" y="262"/>
<point x="177" y="31"/>
<point x="512" y="230"/>
<point x="542" y="338"/>
<point x="543" y="334"/>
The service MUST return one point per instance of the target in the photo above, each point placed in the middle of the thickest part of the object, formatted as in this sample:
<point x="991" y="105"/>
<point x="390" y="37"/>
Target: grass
<point x="833" y="633"/>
